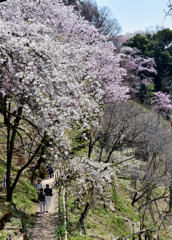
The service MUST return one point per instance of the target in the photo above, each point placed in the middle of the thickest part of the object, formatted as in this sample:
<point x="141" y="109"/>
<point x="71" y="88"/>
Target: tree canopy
<point x="56" y="71"/>
<point x="159" y="47"/>
<point x="102" y="18"/>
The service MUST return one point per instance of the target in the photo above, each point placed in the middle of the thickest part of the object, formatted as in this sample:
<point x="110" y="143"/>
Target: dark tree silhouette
<point x="101" y="18"/>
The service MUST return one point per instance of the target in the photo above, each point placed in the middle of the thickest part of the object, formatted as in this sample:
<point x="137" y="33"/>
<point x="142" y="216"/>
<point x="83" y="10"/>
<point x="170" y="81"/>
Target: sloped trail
<point x="44" y="227"/>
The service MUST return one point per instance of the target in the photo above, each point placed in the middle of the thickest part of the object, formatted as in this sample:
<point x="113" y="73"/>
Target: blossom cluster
<point x="59" y="69"/>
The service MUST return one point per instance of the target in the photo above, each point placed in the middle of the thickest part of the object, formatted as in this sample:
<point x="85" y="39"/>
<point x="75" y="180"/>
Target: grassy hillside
<point x="114" y="221"/>
<point x="119" y="218"/>
<point x="24" y="198"/>
<point x="103" y="221"/>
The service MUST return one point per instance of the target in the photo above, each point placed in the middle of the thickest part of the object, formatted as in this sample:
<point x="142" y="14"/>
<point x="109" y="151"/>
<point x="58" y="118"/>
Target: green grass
<point x="100" y="221"/>
<point x="24" y="197"/>
<point x="3" y="236"/>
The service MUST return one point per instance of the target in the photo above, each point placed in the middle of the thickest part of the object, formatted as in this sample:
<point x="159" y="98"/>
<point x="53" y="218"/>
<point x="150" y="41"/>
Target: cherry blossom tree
<point x="162" y="103"/>
<point x="89" y="182"/>
<point x="140" y="73"/>
<point x="56" y="69"/>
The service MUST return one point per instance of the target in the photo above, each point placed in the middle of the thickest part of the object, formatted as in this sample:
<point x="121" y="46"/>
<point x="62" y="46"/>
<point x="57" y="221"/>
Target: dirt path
<point x="44" y="227"/>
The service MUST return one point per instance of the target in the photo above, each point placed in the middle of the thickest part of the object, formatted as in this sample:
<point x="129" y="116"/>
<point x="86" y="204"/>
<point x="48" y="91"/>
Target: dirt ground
<point x="44" y="227"/>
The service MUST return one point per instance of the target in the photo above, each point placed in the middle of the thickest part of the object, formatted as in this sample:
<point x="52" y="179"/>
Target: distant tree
<point x="122" y="125"/>
<point x="118" y="41"/>
<point x="90" y="11"/>
<point x="102" y="18"/>
<point x="155" y="151"/>
<point x="108" y="24"/>
<point x="147" y="138"/>
<point x="169" y="12"/>
<point x="162" y="103"/>
<point x="154" y="29"/>
<point x="159" y="47"/>
<point x="129" y="35"/>
<point x="139" y="77"/>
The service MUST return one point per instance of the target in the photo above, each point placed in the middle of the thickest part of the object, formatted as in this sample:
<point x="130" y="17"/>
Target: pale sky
<point x="135" y="15"/>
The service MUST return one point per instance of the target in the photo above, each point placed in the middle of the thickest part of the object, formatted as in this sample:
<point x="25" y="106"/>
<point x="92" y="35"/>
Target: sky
<point x="135" y="15"/>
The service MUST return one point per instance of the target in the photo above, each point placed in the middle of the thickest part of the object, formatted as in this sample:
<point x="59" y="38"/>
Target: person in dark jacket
<point x="41" y="199"/>
<point x="50" y="170"/>
<point x="48" y="194"/>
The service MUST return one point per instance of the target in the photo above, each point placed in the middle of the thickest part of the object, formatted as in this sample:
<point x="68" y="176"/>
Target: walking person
<point x="50" y="170"/>
<point x="41" y="200"/>
<point x="48" y="194"/>
<point x="38" y="186"/>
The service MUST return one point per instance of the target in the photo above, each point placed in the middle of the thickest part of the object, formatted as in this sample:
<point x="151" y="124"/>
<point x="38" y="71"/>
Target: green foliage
<point x="138" y="41"/>
<point x="62" y="231"/>
<point x="79" y="143"/>
<point x="146" y="92"/>
<point x="157" y="46"/>
<point x="4" y="236"/>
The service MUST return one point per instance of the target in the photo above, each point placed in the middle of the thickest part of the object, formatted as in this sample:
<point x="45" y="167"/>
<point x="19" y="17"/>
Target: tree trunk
<point x="10" y="149"/>
<point x="23" y="168"/>
<point x="41" y="159"/>
<point x="90" y="149"/>
<point x="11" y="189"/>
<point x="170" y="202"/>
<point x="91" y="144"/>
<point x="140" y="237"/>
<point x="5" y="108"/>
<point x="100" y="155"/>
<point x="83" y="216"/>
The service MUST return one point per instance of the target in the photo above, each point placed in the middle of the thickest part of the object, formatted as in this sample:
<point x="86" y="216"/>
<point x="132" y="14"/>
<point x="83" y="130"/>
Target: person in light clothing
<point x="38" y="186"/>
<point x="48" y="194"/>
<point x="41" y="200"/>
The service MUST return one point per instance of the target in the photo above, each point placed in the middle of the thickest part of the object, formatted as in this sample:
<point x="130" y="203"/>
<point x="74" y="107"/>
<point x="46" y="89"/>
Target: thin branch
<point x="136" y="233"/>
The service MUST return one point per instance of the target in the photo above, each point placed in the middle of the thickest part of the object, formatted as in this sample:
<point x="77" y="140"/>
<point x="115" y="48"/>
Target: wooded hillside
<point x="77" y="94"/>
